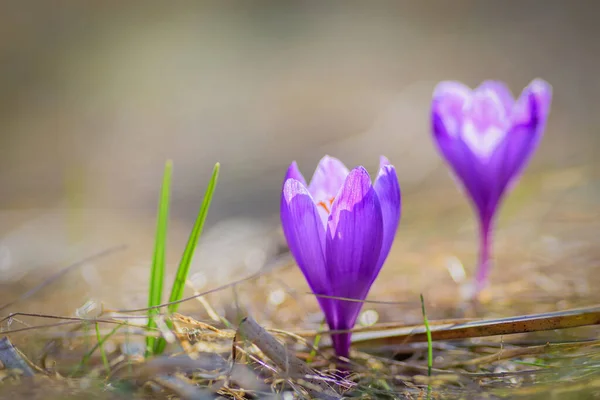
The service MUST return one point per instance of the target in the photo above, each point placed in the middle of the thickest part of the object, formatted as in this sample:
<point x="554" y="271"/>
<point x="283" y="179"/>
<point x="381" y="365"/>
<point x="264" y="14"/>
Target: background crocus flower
<point x="487" y="138"/>
<point x="340" y="229"/>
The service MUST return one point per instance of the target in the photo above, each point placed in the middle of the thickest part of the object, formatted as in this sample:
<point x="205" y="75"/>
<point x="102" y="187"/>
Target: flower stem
<point x="485" y="260"/>
<point x="341" y="344"/>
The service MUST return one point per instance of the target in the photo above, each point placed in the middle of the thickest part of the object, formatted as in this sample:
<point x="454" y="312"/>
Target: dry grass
<point x="210" y="356"/>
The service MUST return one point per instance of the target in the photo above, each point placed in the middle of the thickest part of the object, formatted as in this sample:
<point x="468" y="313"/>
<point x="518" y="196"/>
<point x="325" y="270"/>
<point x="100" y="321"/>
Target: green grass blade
<point x="429" y="345"/>
<point x="98" y="345"/>
<point x="188" y="254"/>
<point x="157" y="276"/>
<point x="102" y="352"/>
<point x="315" y="345"/>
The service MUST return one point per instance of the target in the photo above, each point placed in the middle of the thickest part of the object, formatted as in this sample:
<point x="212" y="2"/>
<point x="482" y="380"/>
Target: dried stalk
<point x="315" y="384"/>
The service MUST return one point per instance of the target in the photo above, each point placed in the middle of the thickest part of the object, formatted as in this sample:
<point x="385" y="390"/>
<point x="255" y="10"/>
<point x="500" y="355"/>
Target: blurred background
<point x="95" y="96"/>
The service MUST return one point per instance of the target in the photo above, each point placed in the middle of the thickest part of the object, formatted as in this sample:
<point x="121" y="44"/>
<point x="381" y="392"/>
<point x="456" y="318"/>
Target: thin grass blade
<point x="429" y="346"/>
<point x="157" y="276"/>
<point x="184" y="266"/>
<point x="188" y="254"/>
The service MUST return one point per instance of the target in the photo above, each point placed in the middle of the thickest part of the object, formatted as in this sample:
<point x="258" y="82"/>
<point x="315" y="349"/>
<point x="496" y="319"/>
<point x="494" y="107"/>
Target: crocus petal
<point x="388" y="192"/>
<point x="529" y="120"/>
<point x="458" y="155"/>
<point x="383" y="160"/>
<point x="327" y="179"/>
<point x="502" y="92"/>
<point x="485" y="122"/>
<point x="353" y="244"/>
<point x="540" y="92"/>
<point x="449" y="100"/>
<point x="305" y="235"/>
<point x="293" y="172"/>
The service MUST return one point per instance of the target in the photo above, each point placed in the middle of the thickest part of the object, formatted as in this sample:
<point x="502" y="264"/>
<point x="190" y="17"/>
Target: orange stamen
<point x="322" y="204"/>
<point x="326" y="206"/>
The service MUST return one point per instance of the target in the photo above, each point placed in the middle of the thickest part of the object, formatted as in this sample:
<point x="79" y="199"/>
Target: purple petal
<point x="542" y="91"/>
<point x="502" y="91"/>
<point x="383" y="161"/>
<point x="538" y="93"/>
<point x="353" y="244"/>
<point x="388" y="192"/>
<point x="294" y="173"/>
<point x="465" y="165"/>
<point x="449" y="101"/>
<point x="327" y="179"/>
<point x="485" y="122"/>
<point x="531" y="114"/>
<point x="305" y="235"/>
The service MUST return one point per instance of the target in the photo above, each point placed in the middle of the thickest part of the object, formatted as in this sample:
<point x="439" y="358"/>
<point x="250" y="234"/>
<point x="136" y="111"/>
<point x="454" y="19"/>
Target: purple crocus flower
<point x="340" y="229"/>
<point x="487" y="137"/>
